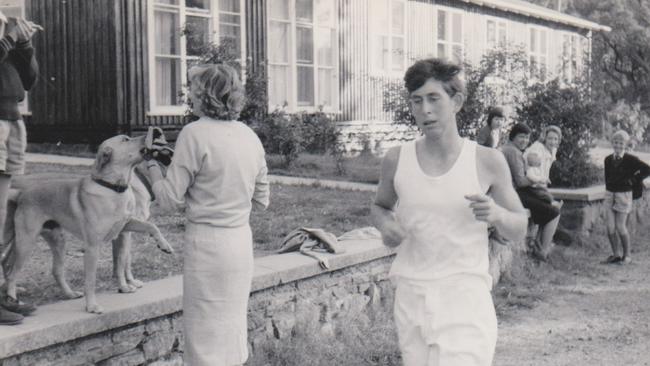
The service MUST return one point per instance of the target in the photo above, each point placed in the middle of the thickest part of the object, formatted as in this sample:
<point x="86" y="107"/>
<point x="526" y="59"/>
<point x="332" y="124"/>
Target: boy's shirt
<point x="624" y="173"/>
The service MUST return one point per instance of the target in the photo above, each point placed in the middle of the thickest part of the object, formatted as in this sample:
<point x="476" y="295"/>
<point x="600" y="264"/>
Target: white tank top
<point x="443" y="236"/>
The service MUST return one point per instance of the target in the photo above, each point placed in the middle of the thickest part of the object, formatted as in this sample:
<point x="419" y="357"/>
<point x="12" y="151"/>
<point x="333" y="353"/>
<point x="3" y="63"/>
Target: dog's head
<point x="117" y="156"/>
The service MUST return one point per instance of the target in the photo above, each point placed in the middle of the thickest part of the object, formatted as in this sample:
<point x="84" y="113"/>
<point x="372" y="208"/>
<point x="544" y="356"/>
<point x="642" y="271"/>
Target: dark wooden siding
<point x="75" y="97"/>
<point x="255" y="11"/>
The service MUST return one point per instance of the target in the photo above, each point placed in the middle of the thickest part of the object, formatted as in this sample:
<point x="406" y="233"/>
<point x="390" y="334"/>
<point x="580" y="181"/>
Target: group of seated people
<point x="530" y="168"/>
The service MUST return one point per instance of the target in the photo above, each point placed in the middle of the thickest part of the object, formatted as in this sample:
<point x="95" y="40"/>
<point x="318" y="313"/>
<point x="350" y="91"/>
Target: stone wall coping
<point x="589" y="194"/>
<point x="66" y="320"/>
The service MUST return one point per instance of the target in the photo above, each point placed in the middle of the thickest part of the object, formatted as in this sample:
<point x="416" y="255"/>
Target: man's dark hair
<point x="442" y="70"/>
<point x="494" y="112"/>
<point x="518" y="129"/>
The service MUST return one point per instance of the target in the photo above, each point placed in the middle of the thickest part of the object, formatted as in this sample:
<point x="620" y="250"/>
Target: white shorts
<point x="13" y="142"/>
<point x="449" y="322"/>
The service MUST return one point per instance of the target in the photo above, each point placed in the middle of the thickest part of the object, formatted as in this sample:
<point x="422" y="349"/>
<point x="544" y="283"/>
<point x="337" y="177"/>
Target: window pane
<point x="167" y="33"/>
<point x="305" y="86"/>
<point x="200" y="4"/>
<point x="197" y="35"/>
<point x="325" y="47"/>
<point x="380" y="17"/>
<point x="491" y="34"/>
<point x="279" y="9"/>
<point x="231" y="34"/>
<point x="542" y="41"/>
<point x="457" y="33"/>
<point x="457" y="53"/>
<point x="304" y="11"/>
<point x="304" y="45"/>
<point x="232" y="6"/>
<point x="442" y="25"/>
<point x="278" y="42"/>
<point x="168" y="81"/>
<point x="442" y="50"/>
<point x="325" y="87"/>
<point x="325" y="12"/>
<point x="502" y="34"/>
<point x="398" y="53"/>
<point x="381" y="53"/>
<point x="229" y="19"/>
<point x="278" y="84"/>
<point x="398" y="17"/>
<point x="533" y="40"/>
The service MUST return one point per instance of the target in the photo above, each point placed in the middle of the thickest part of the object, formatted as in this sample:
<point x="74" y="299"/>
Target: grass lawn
<point x="291" y="207"/>
<point x="362" y="168"/>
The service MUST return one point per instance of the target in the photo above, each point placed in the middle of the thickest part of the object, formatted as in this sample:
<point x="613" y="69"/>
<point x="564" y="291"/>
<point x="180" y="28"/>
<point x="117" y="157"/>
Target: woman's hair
<point x="518" y="129"/>
<point x="494" y="112"/>
<point x="546" y="130"/>
<point x="220" y="90"/>
<point x="442" y="70"/>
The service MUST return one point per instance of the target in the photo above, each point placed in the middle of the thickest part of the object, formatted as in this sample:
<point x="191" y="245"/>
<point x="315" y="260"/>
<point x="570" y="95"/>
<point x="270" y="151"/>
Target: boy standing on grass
<point x="436" y="197"/>
<point x="622" y="170"/>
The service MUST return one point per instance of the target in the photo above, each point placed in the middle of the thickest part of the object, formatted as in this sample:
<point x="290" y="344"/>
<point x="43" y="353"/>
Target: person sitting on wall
<point x="490" y="134"/>
<point x="542" y="213"/>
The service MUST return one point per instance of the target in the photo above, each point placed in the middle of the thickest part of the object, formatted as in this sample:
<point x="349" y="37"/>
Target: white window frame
<point x="183" y="11"/>
<point x="23" y="106"/>
<point x="538" y="54"/>
<point x="292" y="64"/>
<point x="387" y="31"/>
<point x="497" y="31"/>
<point x="449" y="43"/>
<point x="569" y="71"/>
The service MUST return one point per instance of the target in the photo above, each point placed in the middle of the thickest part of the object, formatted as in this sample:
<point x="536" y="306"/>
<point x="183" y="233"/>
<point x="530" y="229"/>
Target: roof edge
<point x="549" y="14"/>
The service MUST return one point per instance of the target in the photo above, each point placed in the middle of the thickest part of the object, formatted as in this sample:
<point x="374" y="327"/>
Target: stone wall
<point x="145" y="328"/>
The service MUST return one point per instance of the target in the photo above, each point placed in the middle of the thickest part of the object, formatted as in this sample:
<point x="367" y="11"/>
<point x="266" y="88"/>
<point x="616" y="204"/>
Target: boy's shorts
<point x="13" y="142"/>
<point x="619" y="201"/>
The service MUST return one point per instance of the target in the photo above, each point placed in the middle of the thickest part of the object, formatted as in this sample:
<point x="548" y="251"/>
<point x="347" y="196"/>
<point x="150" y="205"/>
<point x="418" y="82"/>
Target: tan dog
<point x="95" y="209"/>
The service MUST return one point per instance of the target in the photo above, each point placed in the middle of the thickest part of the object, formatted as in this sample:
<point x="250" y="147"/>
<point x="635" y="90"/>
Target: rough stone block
<point x="132" y="358"/>
<point x="174" y="360"/>
<point x="158" y="325"/>
<point x="127" y="339"/>
<point x="158" y="345"/>
<point x="283" y="325"/>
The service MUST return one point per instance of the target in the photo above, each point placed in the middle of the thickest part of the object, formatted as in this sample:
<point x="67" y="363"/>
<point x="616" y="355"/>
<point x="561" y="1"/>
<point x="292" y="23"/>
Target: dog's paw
<point x="135" y="283"/>
<point x="127" y="289"/>
<point x="74" y="294"/>
<point x="94" y="309"/>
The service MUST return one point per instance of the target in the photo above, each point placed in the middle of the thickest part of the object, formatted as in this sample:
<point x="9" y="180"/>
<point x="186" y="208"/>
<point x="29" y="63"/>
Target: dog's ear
<point x="104" y="156"/>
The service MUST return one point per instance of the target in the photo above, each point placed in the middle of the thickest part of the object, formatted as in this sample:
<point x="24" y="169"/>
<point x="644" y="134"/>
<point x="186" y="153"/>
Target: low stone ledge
<point x="66" y="320"/>
<point x="589" y="194"/>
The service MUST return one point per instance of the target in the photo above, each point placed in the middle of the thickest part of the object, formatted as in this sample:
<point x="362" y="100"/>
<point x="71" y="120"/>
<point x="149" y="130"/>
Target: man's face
<point x="521" y="140"/>
<point x="433" y="109"/>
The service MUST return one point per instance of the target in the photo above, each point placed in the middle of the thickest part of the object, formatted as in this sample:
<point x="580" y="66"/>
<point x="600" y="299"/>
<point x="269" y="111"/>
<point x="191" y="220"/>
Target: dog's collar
<point x="145" y="182"/>
<point x="115" y="187"/>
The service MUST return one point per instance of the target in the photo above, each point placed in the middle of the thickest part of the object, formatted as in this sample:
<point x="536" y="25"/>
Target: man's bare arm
<point x="502" y="207"/>
<point x="381" y="212"/>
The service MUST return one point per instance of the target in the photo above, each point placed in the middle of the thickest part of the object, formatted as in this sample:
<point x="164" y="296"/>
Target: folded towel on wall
<point x="312" y="242"/>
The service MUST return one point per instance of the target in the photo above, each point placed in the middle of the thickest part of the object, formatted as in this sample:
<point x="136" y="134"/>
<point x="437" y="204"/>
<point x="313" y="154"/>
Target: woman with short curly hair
<point x="218" y="173"/>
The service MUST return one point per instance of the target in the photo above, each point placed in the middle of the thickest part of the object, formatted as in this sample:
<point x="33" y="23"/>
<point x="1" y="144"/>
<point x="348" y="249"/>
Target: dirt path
<point x="602" y="320"/>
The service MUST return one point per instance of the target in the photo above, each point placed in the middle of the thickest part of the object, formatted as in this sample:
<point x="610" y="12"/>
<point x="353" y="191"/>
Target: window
<point x="389" y="42"/>
<point x="178" y="32"/>
<point x="450" y="35"/>
<point x="571" y="48"/>
<point x="16" y="8"/>
<point x="303" y="63"/>
<point x="496" y="36"/>
<point x="537" y="52"/>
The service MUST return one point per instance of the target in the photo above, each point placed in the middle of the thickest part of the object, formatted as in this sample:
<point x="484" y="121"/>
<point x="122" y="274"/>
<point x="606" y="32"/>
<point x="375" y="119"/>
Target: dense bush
<point x="580" y="118"/>
<point x="629" y="117"/>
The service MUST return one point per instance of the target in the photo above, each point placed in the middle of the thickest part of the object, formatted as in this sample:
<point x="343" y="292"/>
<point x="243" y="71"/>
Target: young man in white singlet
<point x="436" y="197"/>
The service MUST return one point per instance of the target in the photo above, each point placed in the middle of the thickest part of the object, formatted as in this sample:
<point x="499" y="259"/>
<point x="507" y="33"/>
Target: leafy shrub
<point x="320" y="133"/>
<point x="282" y="134"/>
<point x="578" y="116"/>
<point x="629" y="117"/>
